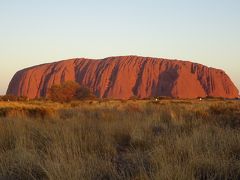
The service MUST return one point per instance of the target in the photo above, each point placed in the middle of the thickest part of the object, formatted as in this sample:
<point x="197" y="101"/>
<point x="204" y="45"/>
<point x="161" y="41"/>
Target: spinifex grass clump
<point x="122" y="140"/>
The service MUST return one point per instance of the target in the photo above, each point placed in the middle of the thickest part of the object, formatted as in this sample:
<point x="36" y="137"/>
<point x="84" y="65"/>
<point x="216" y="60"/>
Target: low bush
<point x="84" y="93"/>
<point x="13" y="98"/>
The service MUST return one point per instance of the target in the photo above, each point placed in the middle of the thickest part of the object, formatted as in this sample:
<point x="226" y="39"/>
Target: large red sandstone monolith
<point x="126" y="76"/>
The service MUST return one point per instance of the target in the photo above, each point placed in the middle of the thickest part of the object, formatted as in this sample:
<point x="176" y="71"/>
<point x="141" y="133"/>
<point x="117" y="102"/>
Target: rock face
<point x="126" y="76"/>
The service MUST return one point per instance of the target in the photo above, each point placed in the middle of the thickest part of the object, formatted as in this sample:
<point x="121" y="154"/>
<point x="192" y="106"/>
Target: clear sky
<point x="41" y="31"/>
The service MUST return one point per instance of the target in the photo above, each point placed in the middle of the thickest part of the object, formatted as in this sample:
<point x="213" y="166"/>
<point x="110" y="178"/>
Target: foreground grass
<point x="120" y="140"/>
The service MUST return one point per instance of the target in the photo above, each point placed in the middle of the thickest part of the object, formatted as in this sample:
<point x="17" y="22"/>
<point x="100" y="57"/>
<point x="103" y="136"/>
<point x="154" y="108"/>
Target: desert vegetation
<point x="134" y="139"/>
<point x="69" y="91"/>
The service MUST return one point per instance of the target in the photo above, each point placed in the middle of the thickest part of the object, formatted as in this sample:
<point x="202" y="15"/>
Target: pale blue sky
<point x="41" y="31"/>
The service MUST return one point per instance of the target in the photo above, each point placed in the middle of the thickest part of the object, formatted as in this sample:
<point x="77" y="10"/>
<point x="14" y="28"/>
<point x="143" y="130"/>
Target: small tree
<point x="64" y="92"/>
<point x="69" y="91"/>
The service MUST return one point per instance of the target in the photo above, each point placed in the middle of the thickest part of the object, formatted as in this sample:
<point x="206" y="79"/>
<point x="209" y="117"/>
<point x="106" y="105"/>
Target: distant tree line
<point x="70" y="90"/>
<point x="13" y="98"/>
<point x="65" y="92"/>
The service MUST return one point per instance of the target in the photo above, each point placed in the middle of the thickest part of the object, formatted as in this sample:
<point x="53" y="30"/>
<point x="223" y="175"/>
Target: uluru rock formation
<point x="126" y="76"/>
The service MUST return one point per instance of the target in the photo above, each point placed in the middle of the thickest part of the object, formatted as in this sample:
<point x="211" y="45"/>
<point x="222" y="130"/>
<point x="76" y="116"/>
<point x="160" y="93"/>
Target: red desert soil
<point x="126" y="76"/>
